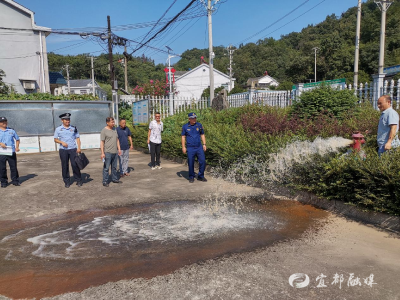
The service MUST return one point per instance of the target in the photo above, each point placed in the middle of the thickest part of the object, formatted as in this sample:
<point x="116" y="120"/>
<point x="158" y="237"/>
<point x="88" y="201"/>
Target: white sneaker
<point x="153" y="168"/>
<point x="159" y="167"/>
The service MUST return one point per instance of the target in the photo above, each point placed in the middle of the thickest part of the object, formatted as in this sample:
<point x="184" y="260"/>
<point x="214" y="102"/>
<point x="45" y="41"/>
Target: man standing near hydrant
<point x="388" y="125"/>
<point x="192" y="136"/>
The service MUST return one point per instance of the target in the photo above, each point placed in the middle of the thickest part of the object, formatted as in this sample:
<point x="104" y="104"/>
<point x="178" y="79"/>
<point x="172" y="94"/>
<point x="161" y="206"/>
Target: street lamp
<point x="315" y="63"/>
<point x="171" y="94"/>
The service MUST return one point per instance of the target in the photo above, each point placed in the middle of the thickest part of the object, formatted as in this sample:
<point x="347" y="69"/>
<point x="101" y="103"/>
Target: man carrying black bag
<point x="81" y="160"/>
<point x="70" y="144"/>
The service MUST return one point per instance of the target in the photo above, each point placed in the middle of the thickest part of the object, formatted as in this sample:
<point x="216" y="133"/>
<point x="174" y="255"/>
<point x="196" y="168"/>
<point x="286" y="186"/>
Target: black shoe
<point x="105" y="184"/>
<point x="79" y="183"/>
<point x="4" y="185"/>
<point x="191" y="180"/>
<point x="67" y="185"/>
<point x="202" y="179"/>
<point x="16" y="184"/>
<point x="117" y="181"/>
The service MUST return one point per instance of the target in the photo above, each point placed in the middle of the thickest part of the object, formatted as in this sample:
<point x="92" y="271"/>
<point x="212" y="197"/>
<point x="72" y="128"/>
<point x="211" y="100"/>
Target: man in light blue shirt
<point x="388" y="125"/>
<point x="8" y="138"/>
<point x="70" y="144"/>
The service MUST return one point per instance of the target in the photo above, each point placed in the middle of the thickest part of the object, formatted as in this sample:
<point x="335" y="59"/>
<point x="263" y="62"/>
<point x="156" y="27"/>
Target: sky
<point x="234" y="22"/>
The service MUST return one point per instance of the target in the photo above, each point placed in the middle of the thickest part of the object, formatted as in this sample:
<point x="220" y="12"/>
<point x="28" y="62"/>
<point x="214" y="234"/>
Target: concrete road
<point x="42" y="190"/>
<point x="337" y="248"/>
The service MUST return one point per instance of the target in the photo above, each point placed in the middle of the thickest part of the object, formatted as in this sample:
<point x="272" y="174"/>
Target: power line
<point x="159" y="20"/>
<point x="272" y="24"/>
<point x="166" y="26"/>
<point x="296" y="18"/>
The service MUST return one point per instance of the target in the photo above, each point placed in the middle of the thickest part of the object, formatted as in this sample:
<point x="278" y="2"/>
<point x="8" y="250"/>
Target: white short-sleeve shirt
<point x="156" y="129"/>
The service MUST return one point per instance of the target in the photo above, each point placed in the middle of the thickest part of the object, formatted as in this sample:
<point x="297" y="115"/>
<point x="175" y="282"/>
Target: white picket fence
<point x="364" y="92"/>
<point x="162" y="104"/>
<point x="260" y="97"/>
<point x="367" y="93"/>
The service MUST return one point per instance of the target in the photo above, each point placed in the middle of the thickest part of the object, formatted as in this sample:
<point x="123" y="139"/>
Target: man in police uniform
<point x="192" y="136"/>
<point x="7" y="137"/>
<point x="70" y="144"/>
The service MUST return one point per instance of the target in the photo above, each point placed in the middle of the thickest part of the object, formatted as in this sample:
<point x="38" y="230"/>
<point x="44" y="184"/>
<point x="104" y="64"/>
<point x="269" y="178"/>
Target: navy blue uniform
<point x="69" y="136"/>
<point x="194" y="148"/>
<point x="8" y="137"/>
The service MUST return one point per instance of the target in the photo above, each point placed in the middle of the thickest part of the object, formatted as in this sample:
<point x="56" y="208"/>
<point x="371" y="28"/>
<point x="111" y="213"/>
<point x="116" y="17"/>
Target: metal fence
<point x="162" y="104"/>
<point x="35" y="121"/>
<point x="367" y="92"/>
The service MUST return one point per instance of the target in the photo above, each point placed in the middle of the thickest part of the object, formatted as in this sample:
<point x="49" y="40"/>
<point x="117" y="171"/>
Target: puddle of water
<point x="81" y="249"/>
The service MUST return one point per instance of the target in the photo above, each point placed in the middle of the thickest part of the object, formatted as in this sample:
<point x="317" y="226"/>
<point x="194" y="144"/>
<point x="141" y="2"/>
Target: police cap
<point x="65" y="116"/>
<point x="3" y="119"/>
<point x="192" y="115"/>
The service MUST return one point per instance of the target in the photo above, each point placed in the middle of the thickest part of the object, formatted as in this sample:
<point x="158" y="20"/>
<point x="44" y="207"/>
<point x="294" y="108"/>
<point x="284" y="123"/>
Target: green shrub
<point x="373" y="183"/>
<point x="46" y="96"/>
<point x="324" y="99"/>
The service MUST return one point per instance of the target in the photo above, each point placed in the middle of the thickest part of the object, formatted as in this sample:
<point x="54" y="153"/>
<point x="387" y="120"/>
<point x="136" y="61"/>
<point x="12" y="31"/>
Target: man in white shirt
<point x="154" y="140"/>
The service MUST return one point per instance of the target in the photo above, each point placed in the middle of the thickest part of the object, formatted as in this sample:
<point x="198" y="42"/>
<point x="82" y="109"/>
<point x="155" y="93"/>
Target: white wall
<point x="18" y="58"/>
<point x="192" y="85"/>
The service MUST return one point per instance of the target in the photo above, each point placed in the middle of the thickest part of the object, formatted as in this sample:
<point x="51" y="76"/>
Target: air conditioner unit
<point x="29" y="85"/>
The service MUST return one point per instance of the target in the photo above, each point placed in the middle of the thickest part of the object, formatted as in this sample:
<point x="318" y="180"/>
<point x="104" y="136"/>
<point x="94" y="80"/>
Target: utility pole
<point x="315" y="63"/>
<point x="93" y="88"/>
<point x="230" y="51"/>
<point x="211" y="52"/>
<point x="378" y="78"/>
<point x="210" y="9"/>
<point x="112" y="75"/>
<point x="110" y="54"/>
<point x="357" y="52"/>
<point x="126" y="71"/>
<point x="69" y="86"/>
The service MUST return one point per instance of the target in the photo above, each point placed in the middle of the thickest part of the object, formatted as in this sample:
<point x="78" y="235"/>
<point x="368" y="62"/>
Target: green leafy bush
<point x="255" y="132"/>
<point x="47" y="96"/>
<point x="324" y="99"/>
<point x="373" y="183"/>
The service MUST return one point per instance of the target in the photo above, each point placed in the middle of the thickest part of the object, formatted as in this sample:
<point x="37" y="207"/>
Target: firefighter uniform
<point x="194" y="147"/>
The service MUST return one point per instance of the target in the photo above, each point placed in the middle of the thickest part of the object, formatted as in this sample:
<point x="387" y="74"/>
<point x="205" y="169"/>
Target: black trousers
<point x="66" y="156"/>
<point x="12" y="162"/>
<point x="155" y="150"/>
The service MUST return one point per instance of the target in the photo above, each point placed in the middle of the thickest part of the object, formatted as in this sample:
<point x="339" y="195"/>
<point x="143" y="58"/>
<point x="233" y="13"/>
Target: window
<point x="83" y="92"/>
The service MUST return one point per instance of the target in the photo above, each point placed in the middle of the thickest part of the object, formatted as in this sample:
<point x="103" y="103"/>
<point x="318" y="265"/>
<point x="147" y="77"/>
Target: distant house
<point x="57" y="81"/>
<point x="84" y="87"/>
<point x="23" y="52"/>
<point x="191" y="84"/>
<point x="263" y="82"/>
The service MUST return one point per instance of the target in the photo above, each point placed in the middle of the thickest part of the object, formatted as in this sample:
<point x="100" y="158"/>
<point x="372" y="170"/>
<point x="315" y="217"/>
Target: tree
<point x="4" y="88"/>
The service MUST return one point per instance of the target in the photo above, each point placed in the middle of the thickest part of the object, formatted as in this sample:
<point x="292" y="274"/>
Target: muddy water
<point x="71" y="252"/>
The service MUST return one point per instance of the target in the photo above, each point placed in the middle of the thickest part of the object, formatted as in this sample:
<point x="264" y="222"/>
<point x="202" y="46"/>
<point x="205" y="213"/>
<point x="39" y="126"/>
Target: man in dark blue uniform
<point x="192" y="136"/>
<point x="10" y="147"/>
<point x="70" y="144"/>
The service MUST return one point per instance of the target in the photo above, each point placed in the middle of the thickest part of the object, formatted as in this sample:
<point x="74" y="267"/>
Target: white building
<point x="192" y="83"/>
<point x="82" y="87"/>
<point x="23" y="52"/>
<point x="263" y="82"/>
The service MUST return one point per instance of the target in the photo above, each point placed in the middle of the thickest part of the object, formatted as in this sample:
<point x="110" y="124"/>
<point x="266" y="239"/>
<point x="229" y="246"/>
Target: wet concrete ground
<point x="248" y="263"/>
<point x="83" y="249"/>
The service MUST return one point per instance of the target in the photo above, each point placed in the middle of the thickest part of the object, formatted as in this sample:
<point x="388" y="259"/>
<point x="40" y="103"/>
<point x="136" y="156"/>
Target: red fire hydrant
<point x="358" y="140"/>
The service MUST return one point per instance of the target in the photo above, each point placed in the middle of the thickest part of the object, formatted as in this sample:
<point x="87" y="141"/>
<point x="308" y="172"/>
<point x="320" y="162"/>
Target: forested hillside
<point x="140" y="69"/>
<point x="289" y="59"/>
